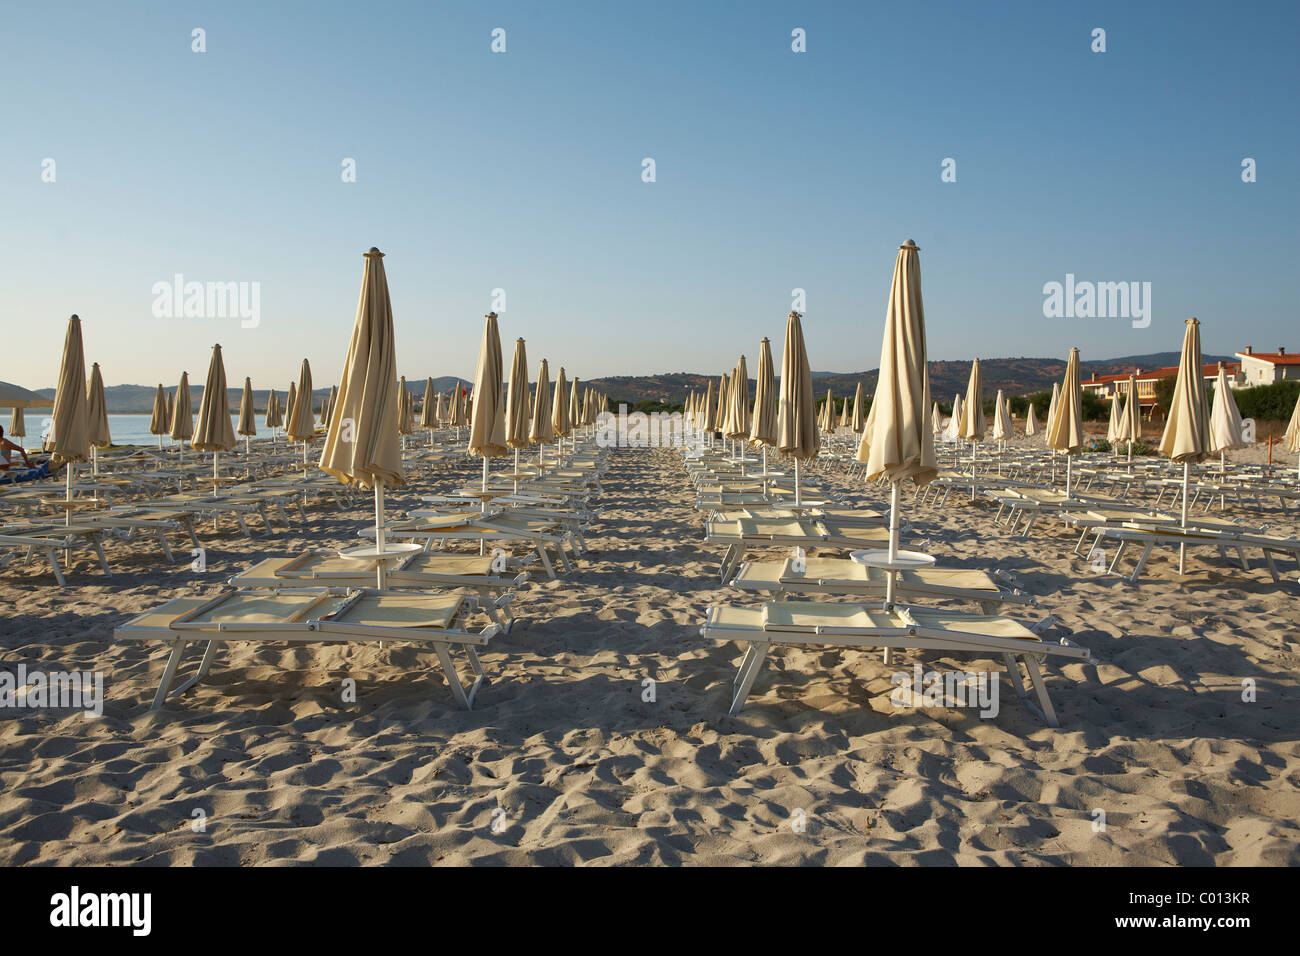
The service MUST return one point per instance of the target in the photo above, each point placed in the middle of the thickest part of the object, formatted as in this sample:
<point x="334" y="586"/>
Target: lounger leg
<point x="103" y="561"/>
<point x="1272" y="568"/>
<point x="1146" y="553"/>
<point x="1079" y="544"/>
<point x="166" y="548"/>
<point x="1119" y="553"/>
<point x="749" y="669"/>
<point x="1013" y="671"/>
<point x="453" y="679"/>
<point x="564" y="557"/>
<point x="727" y="557"/>
<point x="1040" y="689"/>
<point x="546" y="561"/>
<point x="480" y="676"/>
<point x="169" y="673"/>
<point x="54" y="566"/>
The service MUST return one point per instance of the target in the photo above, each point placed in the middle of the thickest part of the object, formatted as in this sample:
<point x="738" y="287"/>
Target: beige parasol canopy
<point x="17" y="424"/>
<point x="540" y="429"/>
<point x="182" y="411"/>
<point x="1292" y="436"/>
<point x="273" y="417"/>
<point x="857" y="422"/>
<point x="15" y="396"/>
<point x="97" y="410"/>
<point x="1225" y="418"/>
<point x="1031" y="424"/>
<point x="796" y="416"/>
<point x="954" y="420"/>
<point x="213" y="431"/>
<point x="1186" y="436"/>
<point x="1051" y="410"/>
<point x="1002" y="427"/>
<point x="291" y="396"/>
<point x="1131" y="420"/>
<point x="158" y="423"/>
<point x="575" y="413"/>
<point x="897" y="441"/>
<point x="361" y="444"/>
<point x="70" y="424"/>
<point x="1115" y="426"/>
<point x="1065" y="432"/>
<point x="720" y="406"/>
<point x="247" y="422"/>
<point x="405" y="409"/>
<point x="301" y="425"/>
<point x="762" y="428"/>
<point x="330" y="401"/>
<point x="560" y="408"/>
<point x="429" y="407"/>
<point x="738" y="424"/>
<point x="460" y="407"/>
<point x="972" y="409"/>
<point x="517" y="418"/>
<point x="487" y="436"/>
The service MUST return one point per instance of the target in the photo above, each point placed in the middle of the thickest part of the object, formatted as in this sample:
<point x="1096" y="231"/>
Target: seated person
<point x="6" y="462"/>
<point x="6" y="446"/>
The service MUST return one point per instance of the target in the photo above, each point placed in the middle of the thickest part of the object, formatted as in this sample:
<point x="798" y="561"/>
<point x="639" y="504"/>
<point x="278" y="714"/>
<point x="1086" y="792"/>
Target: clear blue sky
<point x="522" y="171"/>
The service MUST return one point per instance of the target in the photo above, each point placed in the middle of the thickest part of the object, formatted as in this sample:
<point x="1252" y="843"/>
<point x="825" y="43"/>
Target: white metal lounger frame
<point x="1193" y="537"/>
<point x="50" y="542"/>
<point x="180" y="633"/>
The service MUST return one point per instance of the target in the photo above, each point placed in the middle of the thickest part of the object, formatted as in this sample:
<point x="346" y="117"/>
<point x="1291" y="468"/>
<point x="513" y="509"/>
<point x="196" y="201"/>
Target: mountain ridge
<point x="1015" y="376"/>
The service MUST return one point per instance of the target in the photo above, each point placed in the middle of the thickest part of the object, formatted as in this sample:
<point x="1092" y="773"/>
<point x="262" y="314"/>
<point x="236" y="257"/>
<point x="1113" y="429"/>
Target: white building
<point x="1265" y="368"/>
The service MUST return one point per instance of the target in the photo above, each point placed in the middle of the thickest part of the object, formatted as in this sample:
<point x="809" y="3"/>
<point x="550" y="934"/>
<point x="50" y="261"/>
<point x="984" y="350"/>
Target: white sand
<point x="1154" y="730"/>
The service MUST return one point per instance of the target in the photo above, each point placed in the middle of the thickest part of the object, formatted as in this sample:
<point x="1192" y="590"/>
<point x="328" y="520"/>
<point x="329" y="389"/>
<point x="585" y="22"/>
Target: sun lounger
<point x="1196" y="536"/>
<point x="330" y="615"/>
<point x="28" y="540"/>
<point x="856" y="625"/>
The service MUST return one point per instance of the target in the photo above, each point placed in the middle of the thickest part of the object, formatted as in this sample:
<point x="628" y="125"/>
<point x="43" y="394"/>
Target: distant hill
<point x="1015" y="376"/>
<point x="138" y="399"/>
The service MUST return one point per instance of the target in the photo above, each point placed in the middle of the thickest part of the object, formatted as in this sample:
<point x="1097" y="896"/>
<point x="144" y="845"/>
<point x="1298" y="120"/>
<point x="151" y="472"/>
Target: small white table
<point x="902" y="561"/>
<point x="369" y="552"/>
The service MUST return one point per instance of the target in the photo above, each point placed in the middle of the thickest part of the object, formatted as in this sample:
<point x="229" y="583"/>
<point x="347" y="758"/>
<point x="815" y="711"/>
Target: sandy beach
<point x="567" y="760"/>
